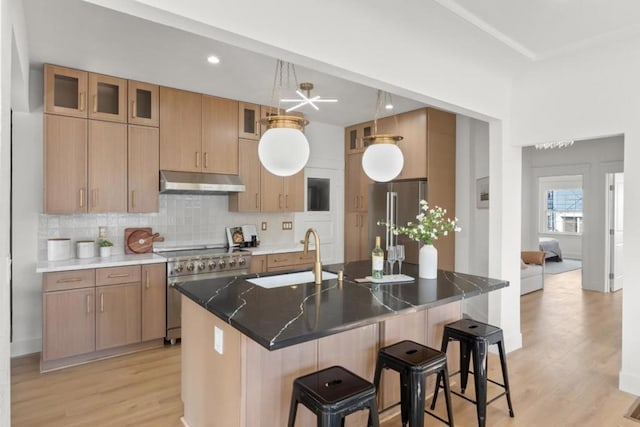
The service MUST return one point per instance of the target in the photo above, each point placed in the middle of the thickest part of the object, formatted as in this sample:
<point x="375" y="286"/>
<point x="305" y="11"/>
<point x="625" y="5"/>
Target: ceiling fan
<point x="306" y="99"/>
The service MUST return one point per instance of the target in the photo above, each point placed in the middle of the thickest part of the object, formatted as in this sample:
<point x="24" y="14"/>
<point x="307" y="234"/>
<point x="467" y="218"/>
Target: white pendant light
<point x="382" y="161"/>
<point x="283" y="149"/>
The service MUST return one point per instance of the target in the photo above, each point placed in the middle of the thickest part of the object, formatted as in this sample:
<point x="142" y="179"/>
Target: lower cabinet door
<point x="118" y="315"/>
<point x="154" y="301"/>
<point x="69" y="319"/>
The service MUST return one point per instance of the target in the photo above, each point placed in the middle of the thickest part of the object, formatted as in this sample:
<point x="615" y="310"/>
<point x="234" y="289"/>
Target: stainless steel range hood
<point x="172" y="182"/>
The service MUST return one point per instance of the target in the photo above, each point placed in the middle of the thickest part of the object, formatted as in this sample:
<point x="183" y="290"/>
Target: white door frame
<point x="614" y="274"/>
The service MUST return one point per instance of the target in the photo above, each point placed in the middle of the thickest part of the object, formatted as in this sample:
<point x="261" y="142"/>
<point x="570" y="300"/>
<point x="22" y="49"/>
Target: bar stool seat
<point x="332" y="394"/>
<point x="414" y="362"/>
<point x="475" y="338"/>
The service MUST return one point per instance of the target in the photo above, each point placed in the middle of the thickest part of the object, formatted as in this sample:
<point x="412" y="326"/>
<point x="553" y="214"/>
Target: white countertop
<point x="98" y="262"/>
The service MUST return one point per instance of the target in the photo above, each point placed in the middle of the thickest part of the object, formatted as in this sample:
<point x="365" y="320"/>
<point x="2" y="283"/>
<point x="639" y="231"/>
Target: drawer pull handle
<point x="72" y="279"/>
<point x="88" y="304"/>
<point x="114" y="276"/>
<point x="147" y="280"/>
<point x="101" y="303"/>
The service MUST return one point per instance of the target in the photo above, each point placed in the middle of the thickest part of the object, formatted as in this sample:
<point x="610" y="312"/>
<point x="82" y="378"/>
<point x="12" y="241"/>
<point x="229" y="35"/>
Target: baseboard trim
<point x="24" y="347"/>
<point x="629" y="383"/>
<point x="184" y="422"/>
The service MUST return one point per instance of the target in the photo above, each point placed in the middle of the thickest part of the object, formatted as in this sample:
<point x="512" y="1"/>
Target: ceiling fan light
<point x="382" y="162"/>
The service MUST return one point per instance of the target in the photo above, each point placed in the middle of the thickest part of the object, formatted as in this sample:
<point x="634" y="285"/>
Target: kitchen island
<point x="268" y="337"/>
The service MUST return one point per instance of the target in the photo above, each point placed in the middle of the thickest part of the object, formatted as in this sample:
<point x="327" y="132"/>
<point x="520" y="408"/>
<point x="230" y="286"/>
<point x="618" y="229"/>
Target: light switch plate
<point x="217" y="340"/>
<point x="102" y="232"/>
<point x="287" y="225"/>
<point x="264" y="225"/>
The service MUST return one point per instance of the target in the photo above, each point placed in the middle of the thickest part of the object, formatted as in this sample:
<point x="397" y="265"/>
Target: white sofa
<point x="531" y="272"/>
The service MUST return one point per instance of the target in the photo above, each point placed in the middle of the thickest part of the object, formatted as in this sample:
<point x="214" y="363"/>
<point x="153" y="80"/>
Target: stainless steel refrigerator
<point x="397" y="203"/>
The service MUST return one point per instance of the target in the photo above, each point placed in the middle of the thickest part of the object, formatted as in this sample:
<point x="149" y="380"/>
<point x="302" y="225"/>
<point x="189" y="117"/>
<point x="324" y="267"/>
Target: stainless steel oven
<point x="186" y="264"/>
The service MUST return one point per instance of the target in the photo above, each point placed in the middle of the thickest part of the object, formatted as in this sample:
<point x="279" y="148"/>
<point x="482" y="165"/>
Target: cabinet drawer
<point x="280" y="260"/>
<point x="117" y="275"/>
<point x="289" y="259"/>
<point x="63" y="280"/>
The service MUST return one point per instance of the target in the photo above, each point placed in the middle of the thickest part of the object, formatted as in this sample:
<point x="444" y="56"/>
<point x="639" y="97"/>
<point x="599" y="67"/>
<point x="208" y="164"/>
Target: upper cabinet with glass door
<point x="76" y="93"/>
<point x="107" y="98"/>
<point x="143" y="104"/>
<point x="354" y="137"/>
<point x="65" y="91"/>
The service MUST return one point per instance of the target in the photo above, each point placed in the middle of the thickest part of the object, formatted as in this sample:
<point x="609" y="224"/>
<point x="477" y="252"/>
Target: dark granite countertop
<point x="289" y="315"/>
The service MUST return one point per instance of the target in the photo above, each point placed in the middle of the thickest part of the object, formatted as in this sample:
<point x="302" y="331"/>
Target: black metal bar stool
<point x="332" y="394"/>
<point x="414" y="362"/>
<point x="475" y="338"/>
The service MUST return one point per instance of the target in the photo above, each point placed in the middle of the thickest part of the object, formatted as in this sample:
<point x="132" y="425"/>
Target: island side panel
<point x="437" y="318"/>
<point x="211" y="382"/>
<point x="355" y="350"/>
<point x="269" y="379"/>
<point x="412" y="326"/>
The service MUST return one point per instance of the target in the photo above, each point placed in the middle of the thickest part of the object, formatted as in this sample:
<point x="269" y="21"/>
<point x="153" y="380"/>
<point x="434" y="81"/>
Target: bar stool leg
<point x="405" y="398"/>
<point x="443" y="348"/>
<point x="480" y="380"/>
<point x="505" y="376"/>
<point x="465" y="353"/>
<point x="293" y="409"/>
<point x="417" y="384"/>
<point x="373" y="414"/>
<point x="447" y="395"/>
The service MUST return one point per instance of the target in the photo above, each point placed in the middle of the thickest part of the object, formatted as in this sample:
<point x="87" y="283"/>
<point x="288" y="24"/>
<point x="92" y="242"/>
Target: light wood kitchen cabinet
<point x="290" y="261"/>
<point x="357" y="184"/>
<point x="143" y="168"/>
<point x="249" y="171"/>
<point x="107" y="98"/>
<point x="143" y="103"/>
<point x="249" y="121"/>
<point x="219" y="135"/>
<point x="181" y="135"/>
<point x="154" y="300"/>
<point x="118" y="315"/>
<point x="68" y="323"/>
<point x="107" y="166"/>
<point x="65" y="164"/>
<point x="354" y="137"/>
<point x="428" y="147"/>
<point x="282" y="194"/>
<point x="65" y="91"/>
<point x="356" y="237"/>
<point x="258" y="264"/>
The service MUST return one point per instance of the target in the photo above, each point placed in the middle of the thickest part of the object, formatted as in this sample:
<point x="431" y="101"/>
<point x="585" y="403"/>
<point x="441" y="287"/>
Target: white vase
<point x="428" y="262"/>
<point x="105" y="251"/>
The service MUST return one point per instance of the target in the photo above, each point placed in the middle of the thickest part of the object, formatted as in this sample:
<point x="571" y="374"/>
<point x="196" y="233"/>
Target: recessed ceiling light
<point x="389" y="106"/>
<point x="213" y="59"/>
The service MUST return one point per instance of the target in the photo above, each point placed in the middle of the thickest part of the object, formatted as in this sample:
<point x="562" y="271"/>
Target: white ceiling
<point x="543" y="28"/>
<point x="77" y="34"/>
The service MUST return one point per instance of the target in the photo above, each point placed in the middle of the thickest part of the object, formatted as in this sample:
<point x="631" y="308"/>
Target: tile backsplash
<point x="181" y="220"/>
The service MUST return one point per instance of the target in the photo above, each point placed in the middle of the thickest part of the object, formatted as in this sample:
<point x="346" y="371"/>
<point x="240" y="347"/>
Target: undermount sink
<point x="289" y="279"/>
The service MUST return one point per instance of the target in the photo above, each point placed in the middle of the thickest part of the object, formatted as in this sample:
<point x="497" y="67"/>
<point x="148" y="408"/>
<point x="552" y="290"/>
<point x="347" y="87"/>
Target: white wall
<point x="182" y="219"/>
<point x="472" y="242"/>
<point x="592" y="159"/>
<point x="5" y="108"/>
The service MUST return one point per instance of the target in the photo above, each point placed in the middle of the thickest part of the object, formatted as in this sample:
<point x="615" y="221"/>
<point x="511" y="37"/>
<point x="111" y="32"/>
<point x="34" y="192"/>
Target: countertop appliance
<point x="189" y="263"/>
<point x="397" y="203"/>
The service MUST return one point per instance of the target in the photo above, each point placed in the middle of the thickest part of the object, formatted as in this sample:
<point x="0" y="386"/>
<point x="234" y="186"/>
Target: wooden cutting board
<point x="138" y="240"/>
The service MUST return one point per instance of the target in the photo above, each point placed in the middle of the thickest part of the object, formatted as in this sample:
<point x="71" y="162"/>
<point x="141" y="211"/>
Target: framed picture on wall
<point x="482" y="193"/>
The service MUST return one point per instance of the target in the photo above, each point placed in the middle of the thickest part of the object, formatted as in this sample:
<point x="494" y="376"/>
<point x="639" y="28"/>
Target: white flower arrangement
<point x="431" y="224"/>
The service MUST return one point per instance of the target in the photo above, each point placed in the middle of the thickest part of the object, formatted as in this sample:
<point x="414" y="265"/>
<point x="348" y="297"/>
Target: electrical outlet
<point x="217" y="339"/>
<point x="287" y="225"/>
<point x="264" y="225"/>
<point x="102" y="232"/>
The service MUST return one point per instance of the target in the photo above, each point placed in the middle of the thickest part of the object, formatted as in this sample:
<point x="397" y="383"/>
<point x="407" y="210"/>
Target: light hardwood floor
<point x="565" y="375"/>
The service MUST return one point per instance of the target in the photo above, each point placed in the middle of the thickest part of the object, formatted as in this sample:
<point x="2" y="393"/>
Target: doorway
<point x="615" y="224"/>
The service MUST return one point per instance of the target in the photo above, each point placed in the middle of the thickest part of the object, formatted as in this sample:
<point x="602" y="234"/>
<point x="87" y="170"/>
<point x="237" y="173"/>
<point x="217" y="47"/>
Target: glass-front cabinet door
<point x="65" y="91"/>
<point x="107" y="98"/>
<point x="143" y="104"/>
<point x="248" y="120"/>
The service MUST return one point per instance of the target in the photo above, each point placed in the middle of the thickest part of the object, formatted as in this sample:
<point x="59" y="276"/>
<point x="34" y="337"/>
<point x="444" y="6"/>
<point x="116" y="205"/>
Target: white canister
<point x="58" y="249"/>
<point x="85" y="248"/>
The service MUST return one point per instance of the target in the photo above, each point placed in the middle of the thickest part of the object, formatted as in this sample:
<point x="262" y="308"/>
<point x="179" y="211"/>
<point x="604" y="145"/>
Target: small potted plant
<point x="105" y="248"/>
